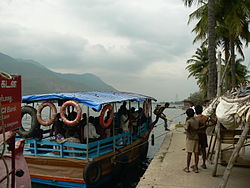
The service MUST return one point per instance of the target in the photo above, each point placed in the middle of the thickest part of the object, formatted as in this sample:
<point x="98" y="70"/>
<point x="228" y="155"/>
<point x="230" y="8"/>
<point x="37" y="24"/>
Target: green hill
<point x="37" y="79"/>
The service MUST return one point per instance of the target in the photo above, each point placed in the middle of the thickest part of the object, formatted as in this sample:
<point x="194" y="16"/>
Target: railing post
<point x="87" y="133"/>
<point x="113" y="128"/>
<point x="61" y="150"/>
<point x="35" y="146"/>
<point x="98" y="148"/>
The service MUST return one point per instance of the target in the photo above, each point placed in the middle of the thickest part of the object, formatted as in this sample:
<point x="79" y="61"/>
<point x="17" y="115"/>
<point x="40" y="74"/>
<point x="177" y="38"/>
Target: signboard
<point x="10" y="103"/>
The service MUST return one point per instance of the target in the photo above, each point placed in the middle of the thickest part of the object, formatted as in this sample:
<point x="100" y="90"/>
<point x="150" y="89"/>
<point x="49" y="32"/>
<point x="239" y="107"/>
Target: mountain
<point x="37" y="79"/>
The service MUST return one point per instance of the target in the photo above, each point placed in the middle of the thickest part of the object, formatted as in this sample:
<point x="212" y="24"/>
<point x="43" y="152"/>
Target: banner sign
<point x="10" y="103"/>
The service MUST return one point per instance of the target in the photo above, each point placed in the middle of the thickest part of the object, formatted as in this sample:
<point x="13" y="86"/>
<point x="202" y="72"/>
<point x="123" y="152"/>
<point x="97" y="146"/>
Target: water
<point x="159" y="131"/>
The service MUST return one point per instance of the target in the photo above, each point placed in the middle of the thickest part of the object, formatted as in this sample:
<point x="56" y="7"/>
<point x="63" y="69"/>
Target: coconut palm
<point x="236" y="18"/>
<point x="212" y="71"/>
<point x="241" y="73"/>
<point x="198" y="68"/>
<point x="231" y="28"/>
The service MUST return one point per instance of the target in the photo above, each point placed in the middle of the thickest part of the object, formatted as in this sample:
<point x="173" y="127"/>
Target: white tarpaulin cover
<point x="227" y="114"/>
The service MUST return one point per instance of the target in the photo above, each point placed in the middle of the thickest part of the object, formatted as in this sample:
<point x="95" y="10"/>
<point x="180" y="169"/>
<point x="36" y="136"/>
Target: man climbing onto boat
<point x="158" y="111"/>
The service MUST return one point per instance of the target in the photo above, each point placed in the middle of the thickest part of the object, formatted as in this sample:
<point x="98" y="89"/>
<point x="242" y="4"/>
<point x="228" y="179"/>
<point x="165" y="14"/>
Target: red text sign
<point x="10" y="103"/>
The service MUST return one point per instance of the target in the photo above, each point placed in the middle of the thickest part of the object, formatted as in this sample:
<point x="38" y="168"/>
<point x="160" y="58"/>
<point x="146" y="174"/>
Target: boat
<point x="84" y="161"/>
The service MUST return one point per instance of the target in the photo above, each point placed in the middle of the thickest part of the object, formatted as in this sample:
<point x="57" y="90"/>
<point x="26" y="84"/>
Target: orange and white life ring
<point x="39" y="113"/>
<point x="78" y="110"/>
<point x="107" y="123"/>
<point x="146" y="108"/>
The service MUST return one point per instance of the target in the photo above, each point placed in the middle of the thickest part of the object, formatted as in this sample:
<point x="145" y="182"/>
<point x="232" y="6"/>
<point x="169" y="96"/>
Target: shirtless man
<point x="158" y="111"/>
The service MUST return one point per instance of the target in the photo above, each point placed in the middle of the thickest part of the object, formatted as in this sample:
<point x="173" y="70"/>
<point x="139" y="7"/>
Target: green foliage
<point x="179" y="125"/>
<point x="232" y="30"/>
<point x="197" y="97"/>
<point x="198" y="68"/>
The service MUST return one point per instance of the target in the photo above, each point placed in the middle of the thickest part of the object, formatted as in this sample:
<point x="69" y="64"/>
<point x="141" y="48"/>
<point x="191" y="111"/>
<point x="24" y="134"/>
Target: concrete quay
<point x="166" y="169"/>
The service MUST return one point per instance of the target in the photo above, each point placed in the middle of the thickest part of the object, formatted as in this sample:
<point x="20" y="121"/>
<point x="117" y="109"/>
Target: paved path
<point x="166" y="169"/>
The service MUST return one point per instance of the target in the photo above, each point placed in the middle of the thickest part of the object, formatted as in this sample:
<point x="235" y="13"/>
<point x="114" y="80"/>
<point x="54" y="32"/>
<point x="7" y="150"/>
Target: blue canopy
<point x="92" y="99"/>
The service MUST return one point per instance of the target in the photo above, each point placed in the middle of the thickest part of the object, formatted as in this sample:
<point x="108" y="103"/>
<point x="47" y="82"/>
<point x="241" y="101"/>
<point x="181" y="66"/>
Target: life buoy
<point x="34" y="123"/>
<point x="146" y="109"/>
<point x="92" y="172"/>
<point x="78" y="109"/>
<point x="39" y="113"/>
<point x="107" y="123"/>
<point x="5" y="75"/>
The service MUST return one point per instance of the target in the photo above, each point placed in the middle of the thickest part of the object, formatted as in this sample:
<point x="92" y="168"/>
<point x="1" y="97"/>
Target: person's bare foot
<point x="186" y="169"/>
<point x="204" y="166"/>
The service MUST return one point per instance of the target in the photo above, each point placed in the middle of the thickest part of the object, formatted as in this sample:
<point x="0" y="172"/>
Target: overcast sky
<point x="134" y="45"/>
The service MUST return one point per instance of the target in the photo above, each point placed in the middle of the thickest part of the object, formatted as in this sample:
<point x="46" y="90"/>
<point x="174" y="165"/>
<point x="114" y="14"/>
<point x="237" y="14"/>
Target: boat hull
<point x="66" y="172"/>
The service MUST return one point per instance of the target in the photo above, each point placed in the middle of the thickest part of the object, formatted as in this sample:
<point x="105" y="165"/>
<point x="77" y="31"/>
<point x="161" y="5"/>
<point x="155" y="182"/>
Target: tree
<point x="236" y="18"/>
<point x="212" y="70"/>
<point x="198" y="68"/>
<point x="232" y="18"/>
<point x="241" y="73"/>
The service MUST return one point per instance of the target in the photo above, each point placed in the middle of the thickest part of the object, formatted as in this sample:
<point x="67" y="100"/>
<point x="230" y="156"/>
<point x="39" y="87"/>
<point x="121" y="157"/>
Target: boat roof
<point x="92" y="99"/>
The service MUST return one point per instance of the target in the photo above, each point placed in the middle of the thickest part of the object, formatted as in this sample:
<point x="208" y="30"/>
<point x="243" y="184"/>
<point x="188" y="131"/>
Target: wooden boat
<point x="87" y="162"/>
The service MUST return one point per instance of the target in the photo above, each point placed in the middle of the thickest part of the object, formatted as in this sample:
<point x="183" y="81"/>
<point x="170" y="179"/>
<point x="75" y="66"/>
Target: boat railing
<point x="51" y="148"/>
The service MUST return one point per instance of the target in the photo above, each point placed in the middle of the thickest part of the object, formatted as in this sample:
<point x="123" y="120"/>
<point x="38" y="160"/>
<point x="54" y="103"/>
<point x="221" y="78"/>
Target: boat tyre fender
<point x="39" y="113"/>
<point x="63" y="112"/>
<point x="34" y="123"/>
<point x="146" y="107"/>
<point x="106" y="124"/>
<point x="92" y="172"/>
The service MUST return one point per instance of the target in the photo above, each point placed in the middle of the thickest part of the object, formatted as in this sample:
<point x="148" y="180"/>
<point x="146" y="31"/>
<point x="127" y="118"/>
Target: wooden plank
<point x="234" y="156"/>
<point x="218" y="148"/>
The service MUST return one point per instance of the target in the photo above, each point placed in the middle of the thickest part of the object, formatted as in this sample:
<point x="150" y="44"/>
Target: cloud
<point x="132" y="45"/>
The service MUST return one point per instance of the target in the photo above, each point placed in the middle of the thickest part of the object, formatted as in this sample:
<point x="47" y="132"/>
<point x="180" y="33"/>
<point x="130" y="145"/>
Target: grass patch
<point x="179" y="125"/>
<point x="162" y="156"/>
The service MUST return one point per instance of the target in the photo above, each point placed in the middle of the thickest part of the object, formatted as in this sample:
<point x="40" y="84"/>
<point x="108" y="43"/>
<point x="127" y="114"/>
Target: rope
<point x="121" y="152"/>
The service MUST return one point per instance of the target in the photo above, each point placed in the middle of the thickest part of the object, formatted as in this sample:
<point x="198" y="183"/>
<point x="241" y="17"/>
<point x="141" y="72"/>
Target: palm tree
<point x="198" y="68"/>
<point x="241" y="73"/>
<point x="236" y="18"/>
<point x="231" y="28"/>
<point x="212" y="70"/>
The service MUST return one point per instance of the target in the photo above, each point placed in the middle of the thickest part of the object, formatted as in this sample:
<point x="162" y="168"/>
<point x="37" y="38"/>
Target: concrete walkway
<point x="166" y="169"/>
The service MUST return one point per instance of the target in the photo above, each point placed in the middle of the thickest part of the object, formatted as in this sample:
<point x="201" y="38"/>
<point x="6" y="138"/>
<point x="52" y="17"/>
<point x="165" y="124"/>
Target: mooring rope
<point x="145" y="142"/>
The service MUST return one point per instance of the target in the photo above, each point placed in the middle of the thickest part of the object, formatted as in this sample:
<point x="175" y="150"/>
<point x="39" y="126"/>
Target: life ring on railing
<point x="146" y="108"/>
<point x="34" y="123"/>
<point x="39" y="113"/>
<point x="78" y="109"/>
<point x="107" y="123"/>
<point x="5" y="75"/>
<point x="92" y="172"/>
